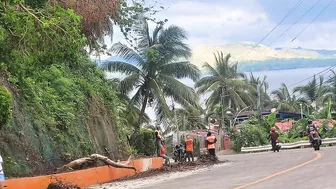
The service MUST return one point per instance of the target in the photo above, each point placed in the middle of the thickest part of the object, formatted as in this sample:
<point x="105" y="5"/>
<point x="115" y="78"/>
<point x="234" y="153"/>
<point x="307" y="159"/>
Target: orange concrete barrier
<point x="84" y="178"/>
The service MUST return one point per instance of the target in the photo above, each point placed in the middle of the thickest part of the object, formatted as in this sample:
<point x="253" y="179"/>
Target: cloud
<point x="215" y="22"/>
<point x="321" y="35"/>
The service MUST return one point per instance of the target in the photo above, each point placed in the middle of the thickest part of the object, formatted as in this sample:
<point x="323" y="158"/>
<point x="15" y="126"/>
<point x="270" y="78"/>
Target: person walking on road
<point x="189" y="146"/>
<point x="2" y="175"/>
<point x="158" y="139"/>
<point x="273" y="136"/>
<point x="211" y="141"/>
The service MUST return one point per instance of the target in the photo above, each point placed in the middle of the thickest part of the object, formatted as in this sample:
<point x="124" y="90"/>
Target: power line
<point x="325" y="70"/>
<point x="304" y="29"/>
<point x="300" y="34"/>
<point x="290" y="27"/>
<point x="290" y="12"/>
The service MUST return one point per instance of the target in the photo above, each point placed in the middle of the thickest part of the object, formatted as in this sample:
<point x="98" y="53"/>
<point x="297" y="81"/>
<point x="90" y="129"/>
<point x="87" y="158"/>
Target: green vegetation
<point x="63" y="107"/>
<point x="144" y="142"/>
<point x="56" y="104"/>
<point x="5" y="107"/>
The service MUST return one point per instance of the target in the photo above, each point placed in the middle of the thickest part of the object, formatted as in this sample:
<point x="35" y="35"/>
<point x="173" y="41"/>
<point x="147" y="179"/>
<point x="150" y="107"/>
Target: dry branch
<point x="92" y="161"/>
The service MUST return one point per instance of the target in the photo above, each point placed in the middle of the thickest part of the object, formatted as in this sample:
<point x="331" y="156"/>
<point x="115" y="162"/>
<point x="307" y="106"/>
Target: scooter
<point x="276" y="147"/>
<point x="179" y="153"/>
<point x="316" y="142"/>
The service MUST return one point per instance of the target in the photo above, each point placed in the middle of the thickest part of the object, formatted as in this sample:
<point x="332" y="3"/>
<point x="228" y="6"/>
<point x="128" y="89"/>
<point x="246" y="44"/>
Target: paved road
<point x="297" y="169"/>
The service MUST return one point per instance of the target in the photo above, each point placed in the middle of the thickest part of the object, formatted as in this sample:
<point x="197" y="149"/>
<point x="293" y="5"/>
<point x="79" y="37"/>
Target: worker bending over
<point x="163" y="152"/>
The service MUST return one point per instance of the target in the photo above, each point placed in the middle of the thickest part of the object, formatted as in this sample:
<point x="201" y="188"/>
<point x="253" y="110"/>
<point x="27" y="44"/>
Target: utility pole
<point x="301" y="111"/>
<point x="259" y="105"/>
<point x="222" y="102"/>
<point x="177" y="127"/>
<point x="184" y="128"/>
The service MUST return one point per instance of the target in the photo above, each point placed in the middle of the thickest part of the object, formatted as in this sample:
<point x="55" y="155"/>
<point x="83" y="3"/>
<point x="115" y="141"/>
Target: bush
<point x="5" y="107"/>
<point x="247" y="136"/>
<point x="298" y="130"/>
<point x="144" y="142"/>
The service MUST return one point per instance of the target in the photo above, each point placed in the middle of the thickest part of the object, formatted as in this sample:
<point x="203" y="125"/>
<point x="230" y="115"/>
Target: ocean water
<point x="291" y="77"/>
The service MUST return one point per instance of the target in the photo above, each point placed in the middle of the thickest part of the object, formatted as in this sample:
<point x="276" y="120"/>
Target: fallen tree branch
<point x="107" y="161"/>
<point x="92" y="161"/>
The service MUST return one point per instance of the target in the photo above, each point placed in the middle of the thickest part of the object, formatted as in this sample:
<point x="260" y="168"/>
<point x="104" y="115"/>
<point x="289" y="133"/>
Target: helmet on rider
<point x="273" y="129"/>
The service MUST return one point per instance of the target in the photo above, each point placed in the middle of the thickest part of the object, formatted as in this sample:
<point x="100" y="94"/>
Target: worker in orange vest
<point x="211" y="141"/>
<point x="189" y="146"/>
<point x="163" y="152"/>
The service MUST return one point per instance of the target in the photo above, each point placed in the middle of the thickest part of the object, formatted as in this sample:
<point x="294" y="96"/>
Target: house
<point x="281" y="115"/>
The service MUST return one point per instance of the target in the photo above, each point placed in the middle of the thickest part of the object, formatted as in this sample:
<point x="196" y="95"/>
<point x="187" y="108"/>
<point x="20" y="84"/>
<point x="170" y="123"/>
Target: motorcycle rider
<point x="310" y="128"/>
<point x="273" y="136"/>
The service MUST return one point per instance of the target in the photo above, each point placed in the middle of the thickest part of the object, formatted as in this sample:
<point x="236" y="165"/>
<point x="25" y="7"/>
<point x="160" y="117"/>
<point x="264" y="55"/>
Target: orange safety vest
<point x="163" y="151"/>
<point x="189" y="145"/>
<point x="211" y="139"/>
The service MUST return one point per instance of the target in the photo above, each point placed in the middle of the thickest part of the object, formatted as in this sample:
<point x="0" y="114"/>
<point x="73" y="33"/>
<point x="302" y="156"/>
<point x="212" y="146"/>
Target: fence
<point x="300" y="144"/>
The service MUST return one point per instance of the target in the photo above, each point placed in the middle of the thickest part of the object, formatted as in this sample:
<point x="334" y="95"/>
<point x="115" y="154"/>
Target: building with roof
<point x="281" y="115"/>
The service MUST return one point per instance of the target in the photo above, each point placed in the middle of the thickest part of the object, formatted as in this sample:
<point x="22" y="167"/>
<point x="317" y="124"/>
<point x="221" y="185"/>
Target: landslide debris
<point x="202" y="161"/>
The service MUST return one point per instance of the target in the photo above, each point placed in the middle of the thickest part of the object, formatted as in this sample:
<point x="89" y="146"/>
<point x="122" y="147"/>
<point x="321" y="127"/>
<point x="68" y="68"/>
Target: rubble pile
<point x="60" y="185"/>
<point x="208" y="159"/>
<point x="202" y="161"/>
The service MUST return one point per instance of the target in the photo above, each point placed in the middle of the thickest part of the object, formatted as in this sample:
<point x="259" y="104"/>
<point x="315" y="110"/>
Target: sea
<point x="293" y="77"/>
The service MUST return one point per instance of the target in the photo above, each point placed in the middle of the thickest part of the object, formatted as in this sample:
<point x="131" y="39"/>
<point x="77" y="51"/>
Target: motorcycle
<point x="276" y="147"/>
<point x="316" y="141"/>
<point x="179" y="153"/>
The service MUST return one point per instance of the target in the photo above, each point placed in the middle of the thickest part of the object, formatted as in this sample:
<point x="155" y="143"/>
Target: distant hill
<point x="257" y="57"/>
<point x="322" y="51"/>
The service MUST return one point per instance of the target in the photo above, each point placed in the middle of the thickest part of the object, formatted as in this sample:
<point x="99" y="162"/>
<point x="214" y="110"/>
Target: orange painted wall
<point x="82" y="178"/>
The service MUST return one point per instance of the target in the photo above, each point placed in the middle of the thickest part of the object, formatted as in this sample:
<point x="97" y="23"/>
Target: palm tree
<point x="313" y="91"/>
<point x="255" y="81"/>
<point x="190" y="119"/>
<point x="285" y="100"/>
<point x="330" y="90"/>
<point x="153" y="68"/>
<point x="129" y="113"/>
<point x="225" y="81"/>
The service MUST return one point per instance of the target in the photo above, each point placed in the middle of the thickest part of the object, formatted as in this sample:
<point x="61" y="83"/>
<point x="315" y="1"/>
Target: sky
<point x="218" y="22"/>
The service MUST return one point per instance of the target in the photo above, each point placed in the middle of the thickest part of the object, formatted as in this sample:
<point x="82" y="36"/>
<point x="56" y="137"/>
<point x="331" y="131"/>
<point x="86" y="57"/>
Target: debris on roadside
<point x="202" y="161"/>
<point x="60" y="185"/>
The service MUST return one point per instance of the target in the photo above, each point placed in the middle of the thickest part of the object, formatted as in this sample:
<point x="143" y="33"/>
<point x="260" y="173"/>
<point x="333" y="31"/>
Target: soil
<point x="201" y="162"/>
<point x="60" y="185"/>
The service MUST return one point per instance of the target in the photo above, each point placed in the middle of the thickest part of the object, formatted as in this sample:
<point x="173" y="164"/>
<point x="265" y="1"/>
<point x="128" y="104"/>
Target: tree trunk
<point x="92" y="161"/>
<point x="142" y="113"/>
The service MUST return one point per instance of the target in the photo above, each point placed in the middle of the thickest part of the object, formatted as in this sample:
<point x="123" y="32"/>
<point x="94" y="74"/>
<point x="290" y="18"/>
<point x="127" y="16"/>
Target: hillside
<point x="55" y="103"/>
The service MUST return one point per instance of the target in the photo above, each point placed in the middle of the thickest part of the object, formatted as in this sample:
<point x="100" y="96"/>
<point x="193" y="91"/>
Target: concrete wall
<point x="84" y="178"/>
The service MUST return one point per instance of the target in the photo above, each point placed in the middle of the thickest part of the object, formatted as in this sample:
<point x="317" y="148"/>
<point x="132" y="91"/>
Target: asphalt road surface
<point x="297" y="169"/>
